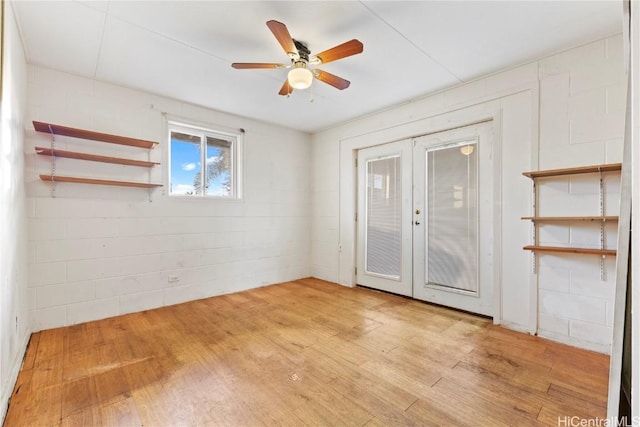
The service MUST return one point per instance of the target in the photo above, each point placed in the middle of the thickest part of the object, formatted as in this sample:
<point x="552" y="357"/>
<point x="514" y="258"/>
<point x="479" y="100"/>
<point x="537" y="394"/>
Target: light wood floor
<point x="303" y="353"/>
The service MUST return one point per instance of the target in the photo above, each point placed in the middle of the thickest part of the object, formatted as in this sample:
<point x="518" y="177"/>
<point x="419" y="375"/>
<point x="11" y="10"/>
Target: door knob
<point x="417" y="222"/>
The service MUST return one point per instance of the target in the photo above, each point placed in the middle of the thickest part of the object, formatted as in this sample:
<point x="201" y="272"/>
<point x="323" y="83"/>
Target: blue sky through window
<point x="186" y="164"/>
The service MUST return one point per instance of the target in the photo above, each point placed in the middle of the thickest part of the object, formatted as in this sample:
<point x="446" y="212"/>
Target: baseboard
<point x="14" y="370"/>
<point x="574" y="342"/>
<point x="516" y="327"/>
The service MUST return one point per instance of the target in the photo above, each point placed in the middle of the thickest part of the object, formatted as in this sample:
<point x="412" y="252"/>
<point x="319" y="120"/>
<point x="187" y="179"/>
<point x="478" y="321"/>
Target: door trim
<point x="347" y="203"/>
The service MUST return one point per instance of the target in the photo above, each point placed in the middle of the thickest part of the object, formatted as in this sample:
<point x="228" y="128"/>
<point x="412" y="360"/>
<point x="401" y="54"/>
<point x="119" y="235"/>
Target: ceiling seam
<point x="16" y="18"/>
<point x="411" y="42"/>
<point x="164" y="36"/>
<point x="104" y="28"/>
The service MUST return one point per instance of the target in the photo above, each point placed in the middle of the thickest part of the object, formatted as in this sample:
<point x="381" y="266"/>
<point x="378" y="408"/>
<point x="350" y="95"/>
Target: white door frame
<point x="348" y="187"/>
<point x="482" y="301"/>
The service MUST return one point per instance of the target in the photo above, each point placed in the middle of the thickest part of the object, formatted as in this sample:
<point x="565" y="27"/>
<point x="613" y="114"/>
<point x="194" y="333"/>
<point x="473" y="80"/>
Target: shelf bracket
<point x="534" y="228"/>
<point x="603" y="239"/>
<point x="53" y="162"/>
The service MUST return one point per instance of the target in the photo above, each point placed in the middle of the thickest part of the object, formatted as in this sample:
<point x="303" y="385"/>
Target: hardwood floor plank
<point x="32" y="349"/>
<point x="527" y="375"/>
<point x="47" y="372"/>
<point x="335" y="408"/>
<point x="112" y="386"/>
<point x="83" y="361"/>
<point x="346" y="351"/>
<point x="429" y="351"/>
<point x="440" y="414"/>
<point x="51" y="345"/>
<point x="357" y="380"/>
<point x="122" y="413"/>
<point x="307" y="352"/>
<point x="580" y="400"/>
<point x="472" y="404"/>
<point x="551" y="414"/>
<point x="499" y="389"/>
<point x="413" y="379"/>
<point x="38" y="406"/>
<point x="273" y="409"/>
<point x="377" y="340"/>
<point x="79" y="394"/>
<point x="84" y="417"/>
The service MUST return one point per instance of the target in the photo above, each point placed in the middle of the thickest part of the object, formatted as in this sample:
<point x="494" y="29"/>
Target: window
<point x="202" y="162"/>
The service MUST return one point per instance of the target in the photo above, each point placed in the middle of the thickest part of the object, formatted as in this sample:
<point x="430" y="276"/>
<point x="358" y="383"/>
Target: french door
<point x="384" y="218"/>
<point x="425" y="226"/>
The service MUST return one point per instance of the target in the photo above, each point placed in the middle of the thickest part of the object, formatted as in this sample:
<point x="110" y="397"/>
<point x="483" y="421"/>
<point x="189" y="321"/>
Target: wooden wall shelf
<point x="93" y="157"/>
<point x="53" y="178"/>
<point x="79" y="180"/>
<point x="602" y="219"/>
<point x="571" y="218"/>
<point x="594" y="251"/>
<point x="610" y="167"/>
<point x="93" y="136"/>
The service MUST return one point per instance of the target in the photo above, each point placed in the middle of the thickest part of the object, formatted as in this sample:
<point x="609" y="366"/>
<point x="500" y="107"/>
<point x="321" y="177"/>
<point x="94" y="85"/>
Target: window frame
<point x="235" y="138"/>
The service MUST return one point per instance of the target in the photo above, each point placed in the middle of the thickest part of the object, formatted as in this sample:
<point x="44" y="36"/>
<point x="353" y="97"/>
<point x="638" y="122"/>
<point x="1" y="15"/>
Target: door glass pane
<point x="383" y="227"/>
<point x="452" y="217"/>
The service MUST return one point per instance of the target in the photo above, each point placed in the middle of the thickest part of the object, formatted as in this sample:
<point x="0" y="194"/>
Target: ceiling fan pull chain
<point x="311" y="94"/>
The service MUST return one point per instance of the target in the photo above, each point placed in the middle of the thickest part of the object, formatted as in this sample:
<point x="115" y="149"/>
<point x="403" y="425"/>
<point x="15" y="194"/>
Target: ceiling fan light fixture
<point x="300" y="78"/>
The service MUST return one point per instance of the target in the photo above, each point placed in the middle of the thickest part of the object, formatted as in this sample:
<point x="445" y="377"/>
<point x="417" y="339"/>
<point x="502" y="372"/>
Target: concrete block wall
<point x="562" y="111"/>
<point x="97" y="251"/>
<point x="582" y="111"/>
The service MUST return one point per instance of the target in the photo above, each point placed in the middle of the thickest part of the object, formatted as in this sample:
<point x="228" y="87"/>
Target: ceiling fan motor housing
<point x="303" y="50"/>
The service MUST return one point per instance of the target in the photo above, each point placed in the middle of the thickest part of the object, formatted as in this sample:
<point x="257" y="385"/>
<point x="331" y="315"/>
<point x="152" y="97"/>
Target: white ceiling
<point x="184" y="49"/>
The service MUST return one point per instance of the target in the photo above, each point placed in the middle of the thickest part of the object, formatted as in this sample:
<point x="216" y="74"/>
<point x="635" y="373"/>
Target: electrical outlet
<point x="173" y="279"/>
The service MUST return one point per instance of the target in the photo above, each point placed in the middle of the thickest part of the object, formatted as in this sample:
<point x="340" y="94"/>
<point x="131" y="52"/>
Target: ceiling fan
<point x="300" y="76"/>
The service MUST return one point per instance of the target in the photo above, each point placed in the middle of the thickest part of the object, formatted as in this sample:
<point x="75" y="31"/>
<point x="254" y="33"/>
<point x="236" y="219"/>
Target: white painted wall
<point x="14" y="319"/>
<point x="99" y="251"/>
<point x="565" y="110"/>
<point x="582" y="111"/>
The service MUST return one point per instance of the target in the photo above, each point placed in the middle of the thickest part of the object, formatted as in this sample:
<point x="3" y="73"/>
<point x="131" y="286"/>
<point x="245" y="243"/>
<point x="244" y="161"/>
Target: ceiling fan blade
<point x="286" y="88"/>
<point x="246" y="65"/>
<point x="331" y="79"/>
<point x="352" y="47"/>
<point x="282" y="34"/>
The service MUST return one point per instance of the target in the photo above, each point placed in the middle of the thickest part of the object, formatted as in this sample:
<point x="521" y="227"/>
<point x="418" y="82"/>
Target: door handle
<point x="417" y="222"/>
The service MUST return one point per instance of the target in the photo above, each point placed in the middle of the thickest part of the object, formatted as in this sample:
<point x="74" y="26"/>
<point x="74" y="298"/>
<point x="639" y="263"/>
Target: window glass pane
<point x="218" y="167"/>
<point x="203" y="162"/>
<point x="185" y="163"/>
